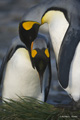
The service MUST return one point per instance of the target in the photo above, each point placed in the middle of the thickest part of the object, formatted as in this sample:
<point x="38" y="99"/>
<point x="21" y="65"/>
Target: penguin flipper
<point x="66" y="54"/>
<point x="7" y="57"/>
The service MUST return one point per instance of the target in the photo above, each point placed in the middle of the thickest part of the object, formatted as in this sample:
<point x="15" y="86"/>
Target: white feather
<point x="20" y="78"/>
<point x="74" y="76"/>
<point x="58" y="26"/>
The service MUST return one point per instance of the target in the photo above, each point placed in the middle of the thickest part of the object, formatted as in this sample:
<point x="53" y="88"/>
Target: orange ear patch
<point x="33" y="53"/>
<point x="47" y="53"/>
<point x="28" y="25"/>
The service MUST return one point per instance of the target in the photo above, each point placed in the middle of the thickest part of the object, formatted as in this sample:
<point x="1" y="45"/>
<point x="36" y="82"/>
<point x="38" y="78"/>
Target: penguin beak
<point x="41" y="81"/>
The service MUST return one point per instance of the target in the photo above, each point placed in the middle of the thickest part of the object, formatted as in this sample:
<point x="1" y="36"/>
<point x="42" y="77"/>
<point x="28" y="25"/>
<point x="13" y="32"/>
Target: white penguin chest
<point x="74" y="76"/>
<point x="20" y="77"/>
<point x="57" y="29"/>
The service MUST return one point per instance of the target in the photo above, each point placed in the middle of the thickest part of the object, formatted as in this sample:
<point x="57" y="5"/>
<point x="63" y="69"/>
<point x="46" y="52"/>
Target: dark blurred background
<point x="11" y="12"/>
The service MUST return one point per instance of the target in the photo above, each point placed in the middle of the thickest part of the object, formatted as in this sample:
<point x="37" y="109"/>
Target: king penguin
<point x="63" y="21"/>
<point x="24" y="67"/>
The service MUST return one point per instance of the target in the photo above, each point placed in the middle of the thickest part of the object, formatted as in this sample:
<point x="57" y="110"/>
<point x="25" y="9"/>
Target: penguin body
<point x="74" y="76"/>
<point x="65" y="40"/>
<point x="19" y="75"/>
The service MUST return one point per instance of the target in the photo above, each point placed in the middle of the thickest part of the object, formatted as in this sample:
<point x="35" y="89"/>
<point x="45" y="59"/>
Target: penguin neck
<point x="58" y="26"/>
<point x="29" y="51"/>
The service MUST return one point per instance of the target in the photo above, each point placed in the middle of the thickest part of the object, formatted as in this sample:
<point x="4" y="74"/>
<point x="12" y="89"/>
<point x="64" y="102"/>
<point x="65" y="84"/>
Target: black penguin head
<point x="40" y="56"/>
<point x="28" y="31"/>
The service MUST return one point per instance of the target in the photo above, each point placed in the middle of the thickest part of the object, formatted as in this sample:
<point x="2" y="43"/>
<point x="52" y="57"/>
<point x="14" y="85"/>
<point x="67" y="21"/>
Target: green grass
<point x="32" y="109"/>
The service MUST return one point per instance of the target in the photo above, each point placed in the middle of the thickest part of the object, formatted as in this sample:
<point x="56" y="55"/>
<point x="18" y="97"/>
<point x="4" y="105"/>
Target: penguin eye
<point x="47" y="53"/>
<point x="28" y="25"/>
<point x="33" y="53"/>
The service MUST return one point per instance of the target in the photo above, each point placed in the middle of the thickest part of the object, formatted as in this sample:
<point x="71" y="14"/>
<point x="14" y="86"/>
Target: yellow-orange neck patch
<point x="47" y="53"/>
<point x="33" y="53"/>
<point x="31" y="46"/>
<point x="28" y="25"/>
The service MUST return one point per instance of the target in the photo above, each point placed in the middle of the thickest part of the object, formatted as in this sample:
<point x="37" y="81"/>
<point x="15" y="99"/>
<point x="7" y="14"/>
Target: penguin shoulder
<point x="20" y="58"/>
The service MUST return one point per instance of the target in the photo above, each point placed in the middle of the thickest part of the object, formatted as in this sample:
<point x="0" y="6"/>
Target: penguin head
<point x="28" y="31"/>
<point x="40" y="56"/>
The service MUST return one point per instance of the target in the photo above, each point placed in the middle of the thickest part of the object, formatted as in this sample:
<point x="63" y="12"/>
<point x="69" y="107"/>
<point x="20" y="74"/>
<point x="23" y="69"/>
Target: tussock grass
<point x="32" y="109"/>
